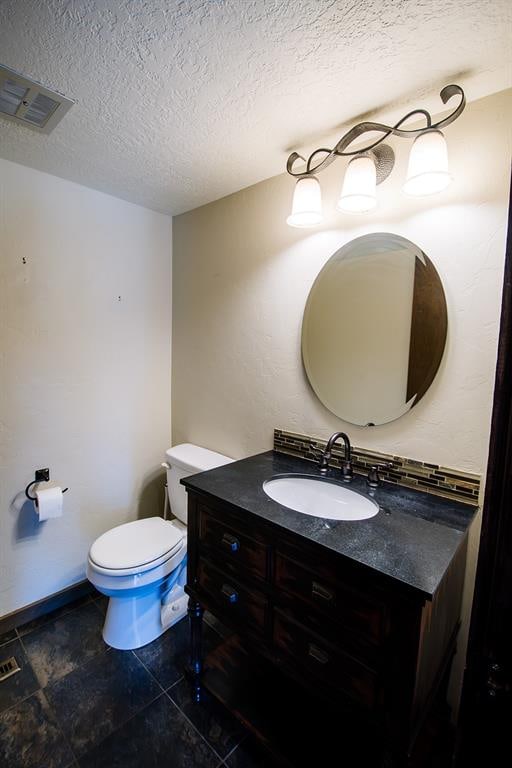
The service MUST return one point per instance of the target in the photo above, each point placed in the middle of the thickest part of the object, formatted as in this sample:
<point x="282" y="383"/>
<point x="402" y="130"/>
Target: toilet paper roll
<point x="49" y="502"/>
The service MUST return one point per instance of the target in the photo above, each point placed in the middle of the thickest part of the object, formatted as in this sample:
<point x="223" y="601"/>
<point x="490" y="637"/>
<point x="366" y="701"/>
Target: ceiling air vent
<point x="26" y="102"/>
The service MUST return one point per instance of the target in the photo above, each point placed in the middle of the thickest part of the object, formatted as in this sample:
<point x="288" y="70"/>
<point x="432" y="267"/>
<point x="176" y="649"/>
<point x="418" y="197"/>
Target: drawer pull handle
<point x="317" y="590"/>
<point x="316" y="653"/>
<point x="229" y="593"/>
<point x="231" y="542"/>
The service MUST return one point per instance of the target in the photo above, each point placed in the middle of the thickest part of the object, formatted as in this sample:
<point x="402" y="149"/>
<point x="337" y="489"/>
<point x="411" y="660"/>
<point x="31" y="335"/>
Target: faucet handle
<point x="323" y="462"/>
<point x="373" y="478"/>
<point x="347" y="471"/>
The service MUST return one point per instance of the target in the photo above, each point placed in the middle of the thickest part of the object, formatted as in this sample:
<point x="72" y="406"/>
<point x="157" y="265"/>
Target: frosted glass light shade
<point x="307" y="203"/>
<point x="427" y="172"/>
<point x="358" y="194"/>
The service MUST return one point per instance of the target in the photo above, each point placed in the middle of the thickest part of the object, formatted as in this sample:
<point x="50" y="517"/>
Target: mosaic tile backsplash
<point x="422" y="475"/>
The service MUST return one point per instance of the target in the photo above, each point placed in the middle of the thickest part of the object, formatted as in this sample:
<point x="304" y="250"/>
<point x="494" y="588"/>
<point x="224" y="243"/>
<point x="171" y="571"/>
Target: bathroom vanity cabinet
<point x="345" y="647"/>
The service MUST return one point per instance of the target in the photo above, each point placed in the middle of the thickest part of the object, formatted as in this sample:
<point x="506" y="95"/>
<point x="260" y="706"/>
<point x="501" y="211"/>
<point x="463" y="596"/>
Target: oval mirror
<point x="374" y="329"/>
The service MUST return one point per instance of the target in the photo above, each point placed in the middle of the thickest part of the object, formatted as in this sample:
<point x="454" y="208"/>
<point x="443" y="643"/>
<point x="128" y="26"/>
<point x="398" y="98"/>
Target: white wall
<point x="85" y="369"/>
<point x="241" y="278"/>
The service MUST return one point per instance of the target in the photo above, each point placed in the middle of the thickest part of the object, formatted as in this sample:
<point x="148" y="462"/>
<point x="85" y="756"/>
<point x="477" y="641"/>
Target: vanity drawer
<point x="358" y="613"/>
<point x="324" y="662"/>
<point x="243" y="553"/>
<point x="232" y="600"/>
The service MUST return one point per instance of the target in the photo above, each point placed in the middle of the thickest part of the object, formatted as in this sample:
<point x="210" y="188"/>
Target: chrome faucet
<point x="346" y="465"/>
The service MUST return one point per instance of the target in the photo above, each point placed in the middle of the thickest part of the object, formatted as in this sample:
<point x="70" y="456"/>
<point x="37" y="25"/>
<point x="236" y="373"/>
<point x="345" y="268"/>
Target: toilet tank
<point x="184" y="460"/>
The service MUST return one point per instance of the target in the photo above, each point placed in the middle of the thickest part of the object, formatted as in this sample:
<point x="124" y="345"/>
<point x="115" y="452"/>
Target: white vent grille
<point x="26" y="102"/>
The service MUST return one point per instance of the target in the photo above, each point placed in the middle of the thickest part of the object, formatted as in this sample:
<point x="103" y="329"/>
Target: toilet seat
<point x="136" y="547"/>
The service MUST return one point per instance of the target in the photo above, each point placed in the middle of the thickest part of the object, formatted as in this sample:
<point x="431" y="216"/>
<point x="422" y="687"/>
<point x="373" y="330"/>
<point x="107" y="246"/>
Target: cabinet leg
<point x="195" y="612"/>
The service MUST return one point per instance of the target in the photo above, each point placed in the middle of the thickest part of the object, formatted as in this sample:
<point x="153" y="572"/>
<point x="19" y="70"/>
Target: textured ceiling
<point x="180" y="102"/>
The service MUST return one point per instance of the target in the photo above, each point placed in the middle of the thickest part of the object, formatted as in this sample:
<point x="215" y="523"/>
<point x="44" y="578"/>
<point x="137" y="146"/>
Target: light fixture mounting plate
<point x="384" y="159"/>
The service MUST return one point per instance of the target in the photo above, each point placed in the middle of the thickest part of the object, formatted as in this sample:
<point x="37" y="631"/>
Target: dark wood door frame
<point x="486" y="707"/>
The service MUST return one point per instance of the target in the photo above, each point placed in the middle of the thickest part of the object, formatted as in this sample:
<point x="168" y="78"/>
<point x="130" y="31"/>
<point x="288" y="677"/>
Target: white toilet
<point x="141" y="566"/>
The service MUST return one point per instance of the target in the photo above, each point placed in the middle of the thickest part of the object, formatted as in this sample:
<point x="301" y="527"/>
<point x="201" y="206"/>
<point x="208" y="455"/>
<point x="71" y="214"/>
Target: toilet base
<point x="175" y="610"/>
<point x="132" y="622"/>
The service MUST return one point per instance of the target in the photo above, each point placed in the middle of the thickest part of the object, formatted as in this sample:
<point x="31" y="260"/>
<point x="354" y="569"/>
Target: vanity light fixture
<point x="359" y="191"/>
<point x="307" y="203"/>
<point x="427" y="172"/>
<point x="370" y="165"/>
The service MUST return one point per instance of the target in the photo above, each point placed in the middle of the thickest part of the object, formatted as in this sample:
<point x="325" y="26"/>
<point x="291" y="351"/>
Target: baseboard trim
<point x="41" y="607"/>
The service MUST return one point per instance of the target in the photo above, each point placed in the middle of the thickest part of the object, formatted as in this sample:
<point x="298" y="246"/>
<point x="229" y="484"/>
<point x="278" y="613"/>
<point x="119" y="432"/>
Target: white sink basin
<point x="319" y="497"/>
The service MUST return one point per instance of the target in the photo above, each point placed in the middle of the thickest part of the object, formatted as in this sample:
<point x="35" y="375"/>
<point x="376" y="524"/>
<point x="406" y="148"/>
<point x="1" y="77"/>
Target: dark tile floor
<point x="79" y="704"/>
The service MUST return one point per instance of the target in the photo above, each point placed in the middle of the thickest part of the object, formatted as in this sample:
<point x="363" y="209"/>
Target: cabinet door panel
<point x="325" y="663"/>
<point x="245" y="554"/>
<point x="355" y="611"/>
<point x="233" y="600"/>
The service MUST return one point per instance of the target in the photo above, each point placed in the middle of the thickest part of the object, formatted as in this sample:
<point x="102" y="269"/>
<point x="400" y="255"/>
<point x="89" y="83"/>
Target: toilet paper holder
<point x="41" y="476"/>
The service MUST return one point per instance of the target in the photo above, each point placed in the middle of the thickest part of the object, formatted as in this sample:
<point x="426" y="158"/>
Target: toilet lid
<point x="140" y="545"/>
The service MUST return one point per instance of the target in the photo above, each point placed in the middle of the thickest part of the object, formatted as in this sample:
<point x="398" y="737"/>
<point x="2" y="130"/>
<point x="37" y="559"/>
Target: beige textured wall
<point x="241" y="278"/>
<point x="85" y="371"/>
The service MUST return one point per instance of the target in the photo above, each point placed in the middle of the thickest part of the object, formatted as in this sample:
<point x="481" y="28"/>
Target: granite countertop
<point x="412" y="539"/>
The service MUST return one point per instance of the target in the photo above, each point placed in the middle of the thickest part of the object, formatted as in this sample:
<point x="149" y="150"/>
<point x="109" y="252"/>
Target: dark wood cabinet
<point x="346" y="635"/>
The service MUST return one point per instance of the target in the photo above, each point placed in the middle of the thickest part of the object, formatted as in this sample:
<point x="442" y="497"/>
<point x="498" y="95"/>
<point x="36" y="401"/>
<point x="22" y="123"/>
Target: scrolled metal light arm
<point x="340" y="150"/>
